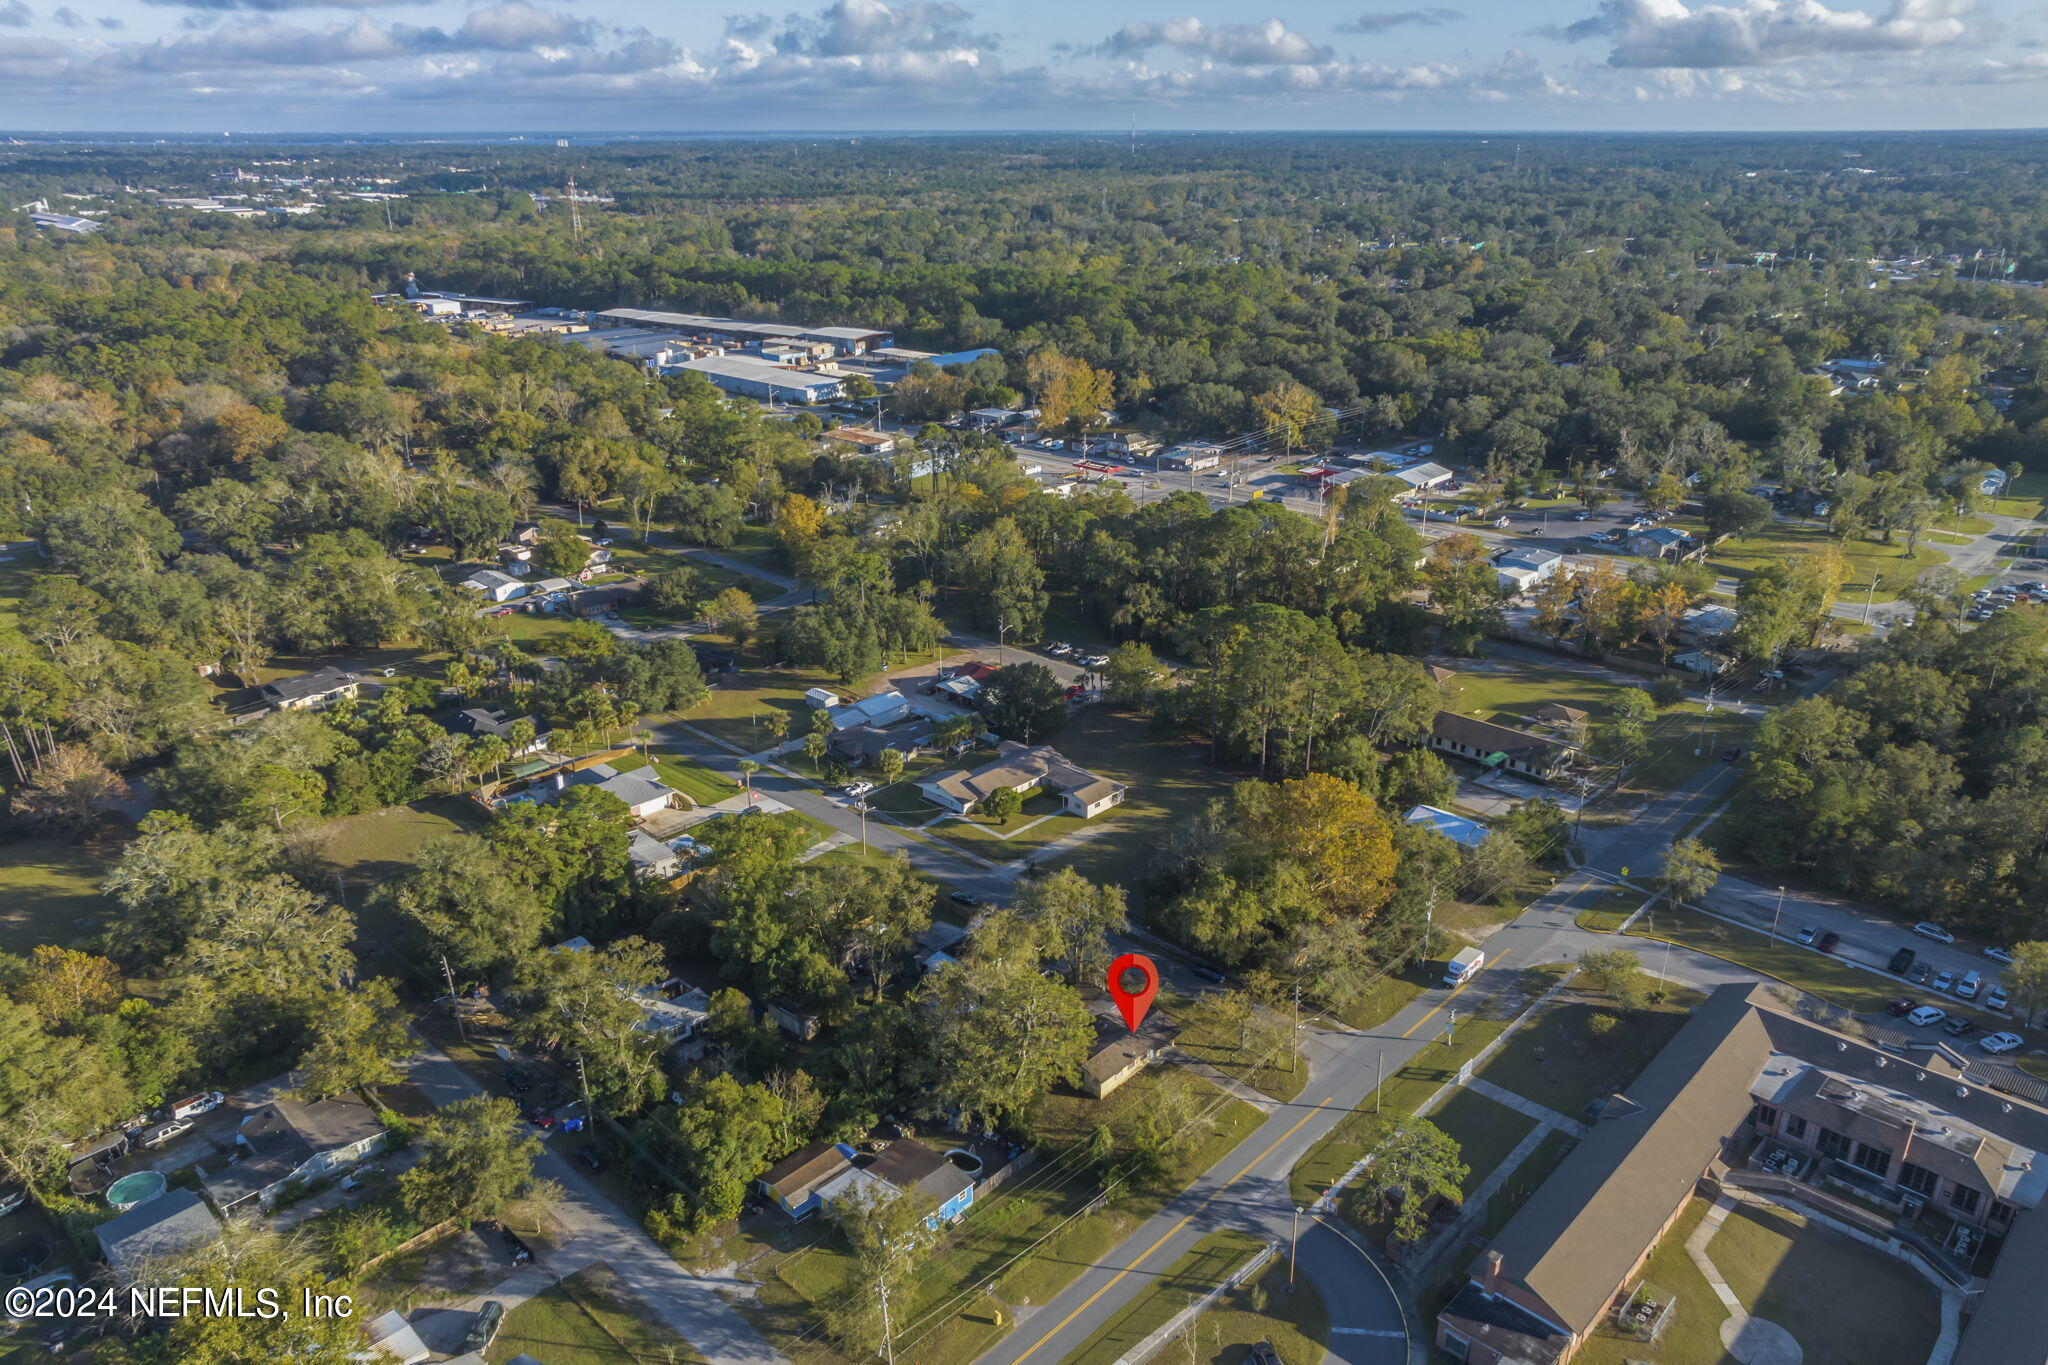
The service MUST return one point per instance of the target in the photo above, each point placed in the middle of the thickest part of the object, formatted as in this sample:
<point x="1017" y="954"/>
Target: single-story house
<point x="610" y="597"/>
<point x="310" y="691"/>
<point x="1023" y="770"/>
<point x="1701" y="661"/>
<point x="1192" y="458"/>
<point x="1119" y="1054"/>
<point x="884" y="708"/>
<point x="392" y="1337"/>
<point x="652" y="859"/>
<point x="495" y="585"/>
<point x="643" y="793"/>
<point x="671" y="1010"/>
<point x="861" y="745"/>
<point x="793" y="1182"/>
<point x="483" y="720"/>
<point x="1660" y="542"/>
<point x="868" y="442"/>
<point x="906" y="1164"/>
<point x="1456" y="828"/>
<point x="1521" y="569"/>
<point x="1557" y="713"/>
<point x="290" y="1140"/>
<point x="1498" y="746"/>
<point x="1709" y="622"/>
<point x="174" y="1221"/>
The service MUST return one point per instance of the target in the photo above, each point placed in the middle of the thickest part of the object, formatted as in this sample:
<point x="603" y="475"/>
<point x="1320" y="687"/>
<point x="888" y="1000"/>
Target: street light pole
<point x="1293" y="1241"/>
<point x="1777" y="912"/>
<point x="1871" y="596"/>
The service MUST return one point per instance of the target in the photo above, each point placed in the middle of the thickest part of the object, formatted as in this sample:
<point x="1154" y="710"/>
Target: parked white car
<point x="1928" y="929"/>
<point x="2000" y="1042"/>
<point x="1927" y="1016"/>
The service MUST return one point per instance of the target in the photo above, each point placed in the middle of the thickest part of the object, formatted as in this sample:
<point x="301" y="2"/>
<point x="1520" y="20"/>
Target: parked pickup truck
<point x="1462" y="965"/>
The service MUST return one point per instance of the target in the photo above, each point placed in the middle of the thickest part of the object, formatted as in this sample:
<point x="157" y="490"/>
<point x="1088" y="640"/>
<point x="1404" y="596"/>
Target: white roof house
<point x="884" y="708"/>
<point x="1522" y="569"/>
<point x="498" y="587"/>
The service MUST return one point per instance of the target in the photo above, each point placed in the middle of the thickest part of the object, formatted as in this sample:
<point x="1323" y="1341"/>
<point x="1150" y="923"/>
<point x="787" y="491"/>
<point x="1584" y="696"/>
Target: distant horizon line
<point x="525" y="136"/>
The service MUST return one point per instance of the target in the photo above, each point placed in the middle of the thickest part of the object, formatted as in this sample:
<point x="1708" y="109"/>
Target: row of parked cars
<point x="1059" y="649"/>
<point x="1988" y="602"/>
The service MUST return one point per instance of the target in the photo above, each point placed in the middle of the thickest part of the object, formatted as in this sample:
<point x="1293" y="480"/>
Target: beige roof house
<point x="1021" y="769"/>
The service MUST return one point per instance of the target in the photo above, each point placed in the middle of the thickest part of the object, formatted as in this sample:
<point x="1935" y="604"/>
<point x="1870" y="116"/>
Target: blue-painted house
<point x="906" y="1164"/>
<point x="794" y="1182"/>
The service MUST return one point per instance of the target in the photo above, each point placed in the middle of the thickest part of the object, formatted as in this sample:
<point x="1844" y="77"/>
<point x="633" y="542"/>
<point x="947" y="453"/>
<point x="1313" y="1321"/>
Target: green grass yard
<point x="50" y="891"/>
<point x="1557" y="1061"/>
<point x="1485" y="1130"/>
<point x="1741" y="556"/>
<point x="1841" y="1300"/>
<point x="588" y="1319"/>
<point x="944" y="1318"/>
<point x="1209" y="1037"/>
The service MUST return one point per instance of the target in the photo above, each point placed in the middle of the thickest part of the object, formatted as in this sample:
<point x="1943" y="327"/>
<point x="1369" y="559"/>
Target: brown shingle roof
<point x="792" y="1177"/>
<point x="1576" y="1240"/>
<point x="1487" y="737"/>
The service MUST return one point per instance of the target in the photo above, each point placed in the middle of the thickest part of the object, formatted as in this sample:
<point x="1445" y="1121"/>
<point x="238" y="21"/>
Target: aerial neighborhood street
<point x="1022" y="748"/>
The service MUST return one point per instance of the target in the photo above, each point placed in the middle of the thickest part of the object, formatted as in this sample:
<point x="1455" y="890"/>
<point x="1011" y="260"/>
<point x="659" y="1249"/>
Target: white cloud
<point x="1669" y="33"/>
<point x="868" y="28"/>
<point x="1266" y="43"/>
<point x="15" y="14"/>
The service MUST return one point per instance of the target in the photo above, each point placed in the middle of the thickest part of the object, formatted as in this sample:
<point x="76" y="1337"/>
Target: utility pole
<point x="1293" y="1241"/>
<point x="454" y="1004"/>
<point x="861" y="805"/>
<point x="888" y="1337"/>
<point x="1777" y="912"/>
<point x="575" y="213"/>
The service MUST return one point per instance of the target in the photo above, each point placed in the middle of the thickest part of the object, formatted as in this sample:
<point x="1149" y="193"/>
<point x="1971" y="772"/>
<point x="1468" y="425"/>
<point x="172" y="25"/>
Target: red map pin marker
<point x="1133" y="1004"/>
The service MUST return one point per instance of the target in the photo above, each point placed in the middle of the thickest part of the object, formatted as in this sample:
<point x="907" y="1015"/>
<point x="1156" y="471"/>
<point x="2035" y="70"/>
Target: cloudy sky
<point x="556" y="66"/>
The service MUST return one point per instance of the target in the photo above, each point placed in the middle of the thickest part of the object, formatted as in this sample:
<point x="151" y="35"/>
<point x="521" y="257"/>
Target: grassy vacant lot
<point x="2025" y="496"/>
<point x="50" y="891"/>
<point x="1741" y="556"/>
<point x="1296" y="1324"/>
<point x="1209" y="1037"/>
<point x="1607" y="913"/>
<point x="1169" y="779"/>
<point x="941" y="1318"/>
<point x="1557" y="1061"/>
<point x="588" y="1319"/>
<point x="1485" y="1131"/>
<point x="737" y="705"/>
<point x="368" y="849"/>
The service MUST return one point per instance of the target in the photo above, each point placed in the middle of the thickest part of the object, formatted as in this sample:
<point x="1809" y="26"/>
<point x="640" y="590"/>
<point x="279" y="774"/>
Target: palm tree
<point x="747" y="770"/>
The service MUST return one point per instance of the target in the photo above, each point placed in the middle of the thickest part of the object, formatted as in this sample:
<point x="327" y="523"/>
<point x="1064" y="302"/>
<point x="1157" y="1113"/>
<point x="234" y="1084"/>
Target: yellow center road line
<point x="1061" y="1326"/>
<point x="1448" y="999"/>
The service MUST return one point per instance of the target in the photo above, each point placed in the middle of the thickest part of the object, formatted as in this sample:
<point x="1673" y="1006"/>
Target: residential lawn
<point x="2025" y="496"/>
<point x="369" y="849"/>
<point x="851" y="854"/>
<point x="1693" y="1336"/>
<point x="1406" y="1089"/>
<point x="1168" y="778"/>
<point x="1001" y="841"/>
<point x="694" y="780"/>
<point x="756" y="545"/>
<point x="1209" y="1037"/>
<point x="1297" y="1324"/>
<point x="1485" y="1131"/>
<point x="1839" y="1298"/>
<point x="1555" y="1060"/>
<point x="50" y="891"/>
<point x="904" y="801"/>
<point x="1741" y="556"/>
<point x="944" y="1315"/>
<point x="588" y="1319"/>
<point x="536" y="633"/>
<point x="735" y="708"/>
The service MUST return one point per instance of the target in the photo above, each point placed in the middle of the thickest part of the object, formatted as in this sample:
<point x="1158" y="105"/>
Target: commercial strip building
<point x="1750" y="1094"/>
